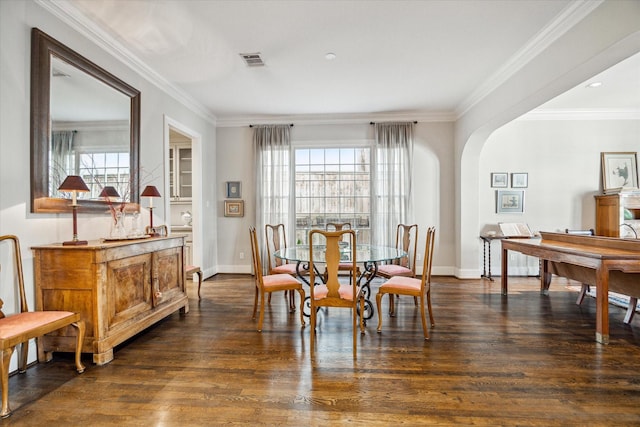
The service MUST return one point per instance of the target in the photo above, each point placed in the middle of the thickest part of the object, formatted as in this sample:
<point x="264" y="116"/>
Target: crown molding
<point x="70" y="15"/>
<point x="573" y="13"/>
<point x="582" y="114"/>
<point x="335" y="119"/>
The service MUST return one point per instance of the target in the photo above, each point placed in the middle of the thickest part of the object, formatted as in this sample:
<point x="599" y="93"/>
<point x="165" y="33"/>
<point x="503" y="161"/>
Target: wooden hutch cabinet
<point x="610" y="214"/>
<point x="119" y="288"/>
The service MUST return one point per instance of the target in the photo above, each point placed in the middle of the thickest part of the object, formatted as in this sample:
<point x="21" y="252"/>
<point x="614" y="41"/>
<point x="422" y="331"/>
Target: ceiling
<point x="391" y="57"/>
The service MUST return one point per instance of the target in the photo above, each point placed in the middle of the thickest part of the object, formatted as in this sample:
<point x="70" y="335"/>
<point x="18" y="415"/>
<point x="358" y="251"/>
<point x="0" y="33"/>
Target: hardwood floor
<point x="525" y="359"/>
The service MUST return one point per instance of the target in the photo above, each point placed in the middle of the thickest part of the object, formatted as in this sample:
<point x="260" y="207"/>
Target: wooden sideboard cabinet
<point x="610" y="213"/>
<point x="119" y="289"/>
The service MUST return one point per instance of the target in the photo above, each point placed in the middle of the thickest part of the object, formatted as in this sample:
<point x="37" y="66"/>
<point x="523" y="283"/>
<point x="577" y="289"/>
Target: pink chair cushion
<point x="345" y="292"/>
<point x="17" y="324"/>
<point x="284" y="269"/>
<point x="401" y="284"/>
<point x="279" y="280"/>
<point x="395" y="270"/>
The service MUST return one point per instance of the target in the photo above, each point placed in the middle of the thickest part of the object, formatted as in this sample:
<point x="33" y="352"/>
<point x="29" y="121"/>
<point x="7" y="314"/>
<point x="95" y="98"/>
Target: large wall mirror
<point x="84" y="121"/>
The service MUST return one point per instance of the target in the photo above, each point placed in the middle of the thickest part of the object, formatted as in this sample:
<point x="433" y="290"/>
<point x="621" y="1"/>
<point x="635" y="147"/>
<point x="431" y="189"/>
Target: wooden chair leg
<point x="355" y="329"/>
<point x="378" y="305"/>
<point x="301" y="292"/>
<point x="23" y="354"/>
<point x="631" y="310"/>
<point x="292" y="301"/>
<point x="79" y="326"/>
<point x="261" y="311"/>
<point x="4" y="373"/>
<point x="583" y="292"/>
<point x="312" y="333"/>
<point x="255" y="304"/>
<point x="424" y="320"/>
<point x="430" y="310"/>
<point x="199" y="282"/>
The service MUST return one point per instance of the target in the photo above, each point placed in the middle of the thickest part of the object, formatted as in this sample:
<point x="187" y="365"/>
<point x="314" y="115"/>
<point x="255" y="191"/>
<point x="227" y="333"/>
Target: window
<point x="101" y="169"/>
<point x="332" y="185"/>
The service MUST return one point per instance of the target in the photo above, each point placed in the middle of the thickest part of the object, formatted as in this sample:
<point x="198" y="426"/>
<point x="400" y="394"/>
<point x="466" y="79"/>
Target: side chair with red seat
<point x="407" y="241"/>
<point x="17" y="329"/>
<point x="330" y="292"/>
<point x="412" y="286"/>
<point x="266" y="284"/>
<point x="276" y="239"/>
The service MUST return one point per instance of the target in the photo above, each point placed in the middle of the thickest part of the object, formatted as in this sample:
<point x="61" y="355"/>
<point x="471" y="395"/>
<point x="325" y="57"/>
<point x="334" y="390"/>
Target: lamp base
<point x="75" y="243"/>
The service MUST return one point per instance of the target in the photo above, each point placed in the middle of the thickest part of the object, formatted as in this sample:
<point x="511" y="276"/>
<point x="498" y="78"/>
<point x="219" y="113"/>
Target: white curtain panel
<point x="61" y="158"/>
<point x="392" y="171"/>
<point x="273" y="177"/>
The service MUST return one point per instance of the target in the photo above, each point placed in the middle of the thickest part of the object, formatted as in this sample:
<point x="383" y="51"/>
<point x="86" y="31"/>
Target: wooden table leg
<point x="602" y="304"/>
<point x="505" y="270"/>
<point x="545" y="277"/>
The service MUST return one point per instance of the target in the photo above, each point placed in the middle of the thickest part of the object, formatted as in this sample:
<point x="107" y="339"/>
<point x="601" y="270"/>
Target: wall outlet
<point x="512" y="257"/>
<point x="241" y="255"/>
<point x="418" y="256"/>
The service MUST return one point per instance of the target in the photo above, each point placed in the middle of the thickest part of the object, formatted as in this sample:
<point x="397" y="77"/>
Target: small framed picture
<point x="499" y="179"/>
<point x="233" y="190"/>
<point x="519" y="180"/>
<point x="510" y="201"/>
<point x="234" y="208"/>
<point x="619" y="170"/>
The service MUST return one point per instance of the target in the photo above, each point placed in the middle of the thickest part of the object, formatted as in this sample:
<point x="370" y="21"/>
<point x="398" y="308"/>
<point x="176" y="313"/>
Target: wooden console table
<point x="119" y="288"/>
<point x="602" y="254"/>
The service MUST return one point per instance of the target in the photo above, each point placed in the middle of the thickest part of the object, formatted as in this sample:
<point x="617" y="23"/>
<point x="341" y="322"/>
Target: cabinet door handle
<point x="156" y="288"/>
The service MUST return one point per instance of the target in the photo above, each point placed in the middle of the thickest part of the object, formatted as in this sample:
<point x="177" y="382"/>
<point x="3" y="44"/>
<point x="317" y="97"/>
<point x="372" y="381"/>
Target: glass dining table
<point x="369" y="256"/>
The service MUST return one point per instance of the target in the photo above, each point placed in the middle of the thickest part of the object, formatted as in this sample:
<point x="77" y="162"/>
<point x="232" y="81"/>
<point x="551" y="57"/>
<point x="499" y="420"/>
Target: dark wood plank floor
<point x="525" y="359"/>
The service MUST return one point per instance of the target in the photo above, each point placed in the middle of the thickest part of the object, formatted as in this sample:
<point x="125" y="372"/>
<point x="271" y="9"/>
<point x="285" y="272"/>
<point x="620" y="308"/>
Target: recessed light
<point x="330" y="56"/>
<point x="595" y="84"/>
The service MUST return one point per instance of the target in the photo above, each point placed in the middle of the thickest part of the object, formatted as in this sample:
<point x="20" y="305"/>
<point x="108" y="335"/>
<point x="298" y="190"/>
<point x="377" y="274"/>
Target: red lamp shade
<point x="109" y="191"/>
<point x="150" y="191"/>
<point x="73" y="183"/>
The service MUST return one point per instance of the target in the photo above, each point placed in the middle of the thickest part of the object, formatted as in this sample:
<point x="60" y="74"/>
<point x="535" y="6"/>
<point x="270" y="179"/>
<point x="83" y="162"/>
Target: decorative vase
<point x="135" y="230"/>
<point x="118" y="230"/>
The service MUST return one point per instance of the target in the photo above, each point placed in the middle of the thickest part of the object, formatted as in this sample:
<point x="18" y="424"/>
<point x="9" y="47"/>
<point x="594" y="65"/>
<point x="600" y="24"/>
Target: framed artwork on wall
<point x="234" y="208"/>
<point x="519" y="180"/>
<point x="510" y="201"/>
<point x="233" y="190"/>
<point x="619" y="170"/>
<point x="499" y="179"/>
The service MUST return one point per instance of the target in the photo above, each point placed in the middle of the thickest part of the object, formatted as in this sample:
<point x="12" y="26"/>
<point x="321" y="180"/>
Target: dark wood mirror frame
<point x="42" y="48"/>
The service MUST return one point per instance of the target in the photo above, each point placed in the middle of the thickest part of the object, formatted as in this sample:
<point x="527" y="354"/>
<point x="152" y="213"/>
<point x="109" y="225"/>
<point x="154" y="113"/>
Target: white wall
<point x="16" y="20"/>
<point x="562" y="158"/>
<point x="433" y="184"/>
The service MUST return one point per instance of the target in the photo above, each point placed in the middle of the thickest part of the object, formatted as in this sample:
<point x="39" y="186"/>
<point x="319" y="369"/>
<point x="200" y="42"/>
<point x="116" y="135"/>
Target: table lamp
<point x="150" y="191"/>
<point x="74" y="183"/>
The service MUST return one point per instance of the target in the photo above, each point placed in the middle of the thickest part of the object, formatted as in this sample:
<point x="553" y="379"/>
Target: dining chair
<point x="17" y="329"/>
<point x="407" y="241"/>
<point x="276" y="239"/>
<point x="339" y="226"/>
<point x="271" y="282"/>
<point x="412" y="286"/>
<point x="330" y="292"/>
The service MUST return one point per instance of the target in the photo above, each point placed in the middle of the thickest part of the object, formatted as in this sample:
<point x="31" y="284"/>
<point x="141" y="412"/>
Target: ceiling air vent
<point x="252" y="59"/>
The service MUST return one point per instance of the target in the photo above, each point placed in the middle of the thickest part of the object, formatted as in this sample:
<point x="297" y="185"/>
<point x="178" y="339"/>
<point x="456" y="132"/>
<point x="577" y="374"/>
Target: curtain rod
<point x="290" y="124"/>
<point x="373" y="123"/>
